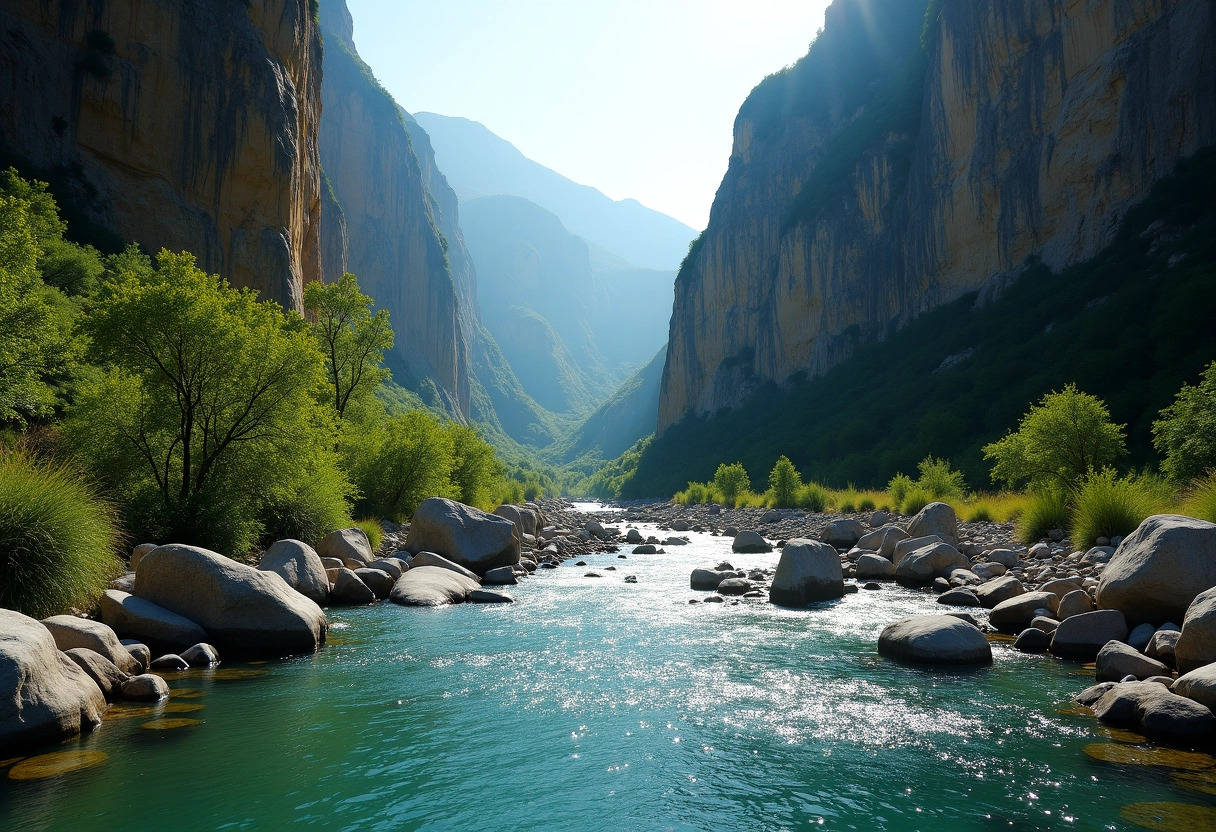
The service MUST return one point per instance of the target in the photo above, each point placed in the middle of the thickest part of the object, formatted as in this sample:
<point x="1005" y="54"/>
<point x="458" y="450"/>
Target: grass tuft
<point x="371" y="527"/>
<point x="1044" y="511"/>
<point x="1109" y="506"/>
<point x="1201" y="501"/>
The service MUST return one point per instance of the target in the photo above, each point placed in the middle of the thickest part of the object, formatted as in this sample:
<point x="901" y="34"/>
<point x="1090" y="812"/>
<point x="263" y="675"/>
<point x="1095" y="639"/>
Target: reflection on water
<point x="605" y="705"/>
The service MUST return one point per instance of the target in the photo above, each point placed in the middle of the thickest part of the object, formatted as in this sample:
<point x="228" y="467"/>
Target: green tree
<point x="207" y="410"/>
<point x="939" y="479"/>
<point x="1058" y="442"/>
<point x="475" y="468"/>
<point x="731" y="481"/>
<point x="1185" y="435"/>
<point x="398" y="462"/>
<point x="784" y="482"/>
<point x="352" y="338"/>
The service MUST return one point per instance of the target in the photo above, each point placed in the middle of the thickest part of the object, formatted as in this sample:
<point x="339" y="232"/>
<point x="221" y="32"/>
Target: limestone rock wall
<point x="182" y="124"/>
<point x="1036" y="126"/>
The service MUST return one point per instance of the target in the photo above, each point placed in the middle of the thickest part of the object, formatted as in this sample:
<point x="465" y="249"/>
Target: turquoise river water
<point x="592" y="704"/>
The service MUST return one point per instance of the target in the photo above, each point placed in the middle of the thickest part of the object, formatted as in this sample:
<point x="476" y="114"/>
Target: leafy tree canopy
<point x="352" y="338"/>
<point x="1185" y="435"/>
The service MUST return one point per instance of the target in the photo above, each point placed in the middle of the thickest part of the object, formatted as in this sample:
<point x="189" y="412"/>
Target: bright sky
<point x="634" y="97"/>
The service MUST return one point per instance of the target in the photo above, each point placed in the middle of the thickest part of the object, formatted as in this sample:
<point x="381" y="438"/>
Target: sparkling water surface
<point x="593" y="704"/>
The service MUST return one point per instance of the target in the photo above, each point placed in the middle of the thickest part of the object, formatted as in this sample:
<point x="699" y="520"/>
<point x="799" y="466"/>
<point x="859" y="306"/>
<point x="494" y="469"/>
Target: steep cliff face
<point x="392" y="240"/>
<point x="180" y="124"/>
<point x="888" y="173"/>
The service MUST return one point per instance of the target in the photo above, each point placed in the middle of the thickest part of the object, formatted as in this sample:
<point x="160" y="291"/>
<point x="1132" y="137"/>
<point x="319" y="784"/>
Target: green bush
<point x="866" y="504"/>
<point x="978" y="514"/>
<point x="915" y="500"/>
<point x="731" y="481"/>
<point x="1108" y="506"/>
<point x="398" y="462"/>
<point x="59" y="538"/>
<point x="309" y="507"/>
<point x="937" y="477"/>
<point x="784" y="481"/>
<point x="898" y="488"/>
<point x="371" y="528"/>
<point x="1186" y="432"/>
<point x="1201" y="501"/>
<point x="812" y="497"/>
<point x="1048" y="509"/>
<point x="475" y="468"/>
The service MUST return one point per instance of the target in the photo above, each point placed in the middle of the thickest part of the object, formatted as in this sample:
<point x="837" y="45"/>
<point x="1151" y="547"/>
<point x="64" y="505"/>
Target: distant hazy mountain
<point x="478" y="163"/>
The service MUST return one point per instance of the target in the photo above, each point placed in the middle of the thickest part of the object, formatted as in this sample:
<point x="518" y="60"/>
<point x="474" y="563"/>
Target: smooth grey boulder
<point x="243" y="610"/>
<point x="707" y="580"/>
<point x="432" y="559"/>
<point x="1155" y="711"/>
<point x="1196" y="646"/>
<point x="1098" y="554"/>
<point x="332" y="563"/>
<point x="1076" y="602"/>
<point x="735" y="586"/>
<point x="350" y="546"/>
<point x="467" y="536"/>
<point x="749" y="541"/>
<point x="1000" y="589"/>
<point x="349" y="590"/>
<point x="634" y="536"/>
<point x="1061" y="586"/>
<point x="934" y="639"/>
<point x="910" y="544"/>
<point x="1140" y="635"/>
<point x="1091" y="695"/>
<point x="70" y="631"/>
<point x="201" y="655"/>
<point x="145" y="688"/>
<point x="170" y="662"/>
<point x="842" y="532"/>
<point x="882" y="540"/>
<point x="377" y="580"/>
<point x="128" y="615"/>
<point x="959" y="597"/>
<point x="1082" y="636"/>
<point x="502" y="576"/>
<point x="1015" y="614"/>
<point x="102" y="671"/>
<point x="431" y="586"/>
<point x="647" y="549"/>
<point x="873" y="566"/>
<point x="138" y="553"/>
<point x="1199" y="685"/>
<point x="523" y="518"/>
<point x="489" y="596"/>
<point x="1005" y="557"/>
<point x="808" y="571"/>
<point x="1159" y="568"/>
<point x="987" y="571"/>
<point x="771" y="516"/>
<point x="141" y="652"/>
<point x="1116" y="661"/>
<point x="300" y="566"/>
<point x="392" y="566"/>
<point x="1032" y="640"/>
<point x="1162" y="645"/>
<point x="44" y="695"/>
<point x="936" y="560"/>
<point x="935" y="518"/>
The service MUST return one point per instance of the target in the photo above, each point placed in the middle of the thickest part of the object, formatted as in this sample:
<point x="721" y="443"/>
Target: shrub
<point x="939" y="479"/>
<point x="59" y="538"/>
<point x="898" y="488"/>
<point x="695" y="494"/>
<point x="1185" y="435"/>
<point x="475" y="468"/>
<point x="731" y="481"/>
<point x="1201" y="501"/>
<point x="309" y="507"/>
<point x="812" y="497"/>
<point x="1046" y="510"/>
<point x="866" y="503"/>
<point x="784" y="482"/>
<point x="1058" y="442"/>
<point x="915" y="500"/>
<point x="371" y="527"/>
<point x="846" y="506"/>
<point x="978" y="513"/>
<point x="1107" y="506"/>
<point x="399" y="461"/>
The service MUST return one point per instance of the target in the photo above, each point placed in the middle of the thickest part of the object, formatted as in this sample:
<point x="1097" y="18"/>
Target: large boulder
<point x="749" y="541"/>
<point x="1015" y="615"/>
<point x="707" y="580"/>
<point x="1116" y="661"/>
<point x="470" y="537"/>
<point x="523" y="518"/>
<point x="139" y="618"/>
<point x="107" y="676"/>
<point x="1156" y="712"/>
<point x="431" y="586"/>
<point x="350" y="590"/>
<point x="910" y="544"/>
<point x="1082" y="636"/>
<point x="882" y="540"/>
<point x="44" y="696"/>
<point x="1199" y="685"/>
<point x="934" y="639"/>
<point x="299" y="564"/>
<point x="935" y="518"/>
<point x="70" y="631"/>
<point x="842" y="532"/>
<point x="1000" y="589"/>
<point x="1162" y="646"/>
<point x="350" y="546"/>
<point x="1073" y="603"/>
<point x="808" y="571"/>
<point x="1159" y="568"/>
<point x="432" y="559"/>
<point x="873" y="566"/>
<point x="1197" y="644"/>
<point x="244" y="610"/>
<point x="937" y="560"/>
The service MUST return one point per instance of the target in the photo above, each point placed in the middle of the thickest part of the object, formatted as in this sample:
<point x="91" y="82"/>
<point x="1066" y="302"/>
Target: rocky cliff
<point x="911" y="159"/>
<point x="177" y="123"/>
<point x="390" y="229"/>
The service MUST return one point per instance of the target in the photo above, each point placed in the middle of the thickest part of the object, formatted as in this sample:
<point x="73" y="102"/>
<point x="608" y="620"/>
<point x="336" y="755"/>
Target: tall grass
<point x="1044" y="511"/>
<point x="1110" y="506"/>
<point x="58" y="538"/>
<point x="371" y="528"/>
<point x="1201" y="500"/>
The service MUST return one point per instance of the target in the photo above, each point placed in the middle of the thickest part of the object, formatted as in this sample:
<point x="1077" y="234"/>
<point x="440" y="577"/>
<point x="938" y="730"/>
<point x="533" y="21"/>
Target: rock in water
<point x="1199" y="685"/>
<point x="707" y="580"/>
<point x="472" y="538"/>
<point x="44" y="696"/>
<point x="1015" y="615"/>
<point x="349" y="589"/>
<point x="873" y="566"/>
<point x="1196" y="646"/>
<point x="201" y="655"/>
<point x="502" y="576"/>
<point x="431" y="586"/>
<point x="1155" y="712"/>
<point x="70" y="631"/>
<point x="843" y="531"/>
<point x="377" y="580"/>
<point x="300" y="566"/>
<point x="922" y="566"/>
<point x="489" y="596"/>
<point x="102" y="671"/>
<point x="1159" y="568"/>
<point x="1082" y="636"/>
<point x="934" y="639"/>
<point x="935" y="518"/>
<point x="350" y="546"/>
<point x="1116" y="661"/>
<point x="140" y="618"/>
<point x="749" y="541"/>
<point x="1000" y="589"/>
<point x="1032" y="640"/>
<point x="146" y="688"/>
<point x="808" y="571"/>
<point x="243" y="610"/>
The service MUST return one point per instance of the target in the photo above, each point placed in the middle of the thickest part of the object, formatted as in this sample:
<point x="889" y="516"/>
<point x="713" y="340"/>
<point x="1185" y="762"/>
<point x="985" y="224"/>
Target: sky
<point x="635" y="97"/>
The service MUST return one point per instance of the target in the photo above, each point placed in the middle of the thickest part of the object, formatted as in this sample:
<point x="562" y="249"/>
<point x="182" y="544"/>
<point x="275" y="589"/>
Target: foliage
<point x="608" y="482"/>
<point x="59" y="538"/>
<point x="1047" y="509"/>
<point x="731" y="481"/>
<point x="352" y="338"/>
<point x="1109" y="506"/>
<point x="898" y="488"/>
<point x="784" y="483"/>
<point x="397" y="463"/>
<point x="939" y="479"/>
<point x="371" y="528"/>
<point x="1200" y="501"/>
<point x="474" y="467"/>
<point x="1185" y="435"/>
<point x="310" y="506"/>
<point x="916" y="499"/>
<point x="206" y="412"/>
<point x="812" y="497"/>
<point x="1057" y="443"/>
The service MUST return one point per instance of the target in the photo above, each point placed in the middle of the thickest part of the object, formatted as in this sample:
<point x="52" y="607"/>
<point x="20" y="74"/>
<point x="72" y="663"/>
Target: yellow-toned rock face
<point x="189" y="126"/>
<point x="1036" y="125"/>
